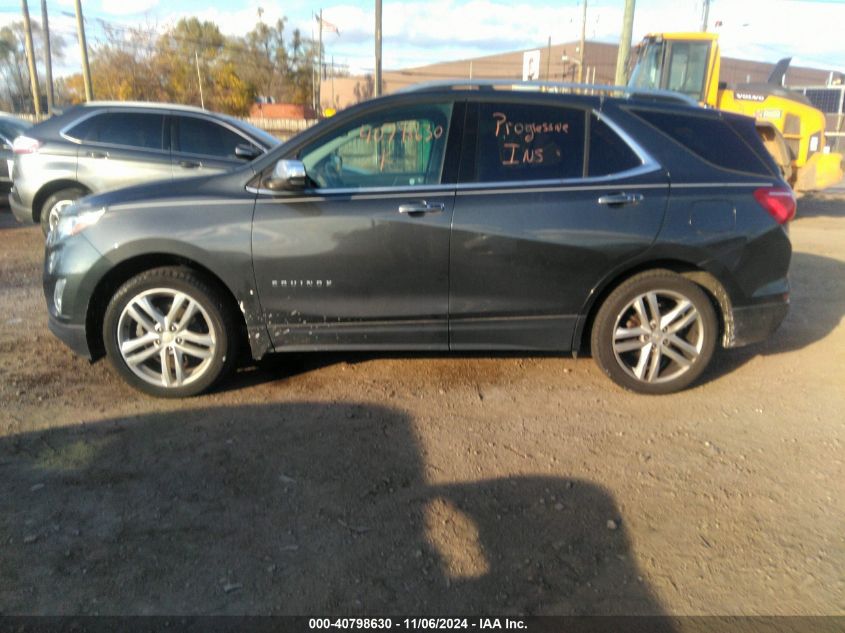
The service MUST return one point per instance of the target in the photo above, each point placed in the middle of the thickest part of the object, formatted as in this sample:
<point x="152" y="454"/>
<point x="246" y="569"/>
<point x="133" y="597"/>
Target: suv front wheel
<point x="655" y="333"/>
<point x="169" y="333"/>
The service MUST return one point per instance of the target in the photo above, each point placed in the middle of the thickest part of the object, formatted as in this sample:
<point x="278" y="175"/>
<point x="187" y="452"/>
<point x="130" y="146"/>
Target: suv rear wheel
<point x="53" y="206"/>
<point x="655" y="333"/>
<point x="169" y="333"/>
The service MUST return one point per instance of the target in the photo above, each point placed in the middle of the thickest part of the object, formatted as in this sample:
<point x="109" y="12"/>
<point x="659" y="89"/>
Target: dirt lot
<point x="429" y="485"/>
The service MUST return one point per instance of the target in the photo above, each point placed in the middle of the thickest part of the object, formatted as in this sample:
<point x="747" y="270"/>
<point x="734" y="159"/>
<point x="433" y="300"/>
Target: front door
<point x="360" y="259"/>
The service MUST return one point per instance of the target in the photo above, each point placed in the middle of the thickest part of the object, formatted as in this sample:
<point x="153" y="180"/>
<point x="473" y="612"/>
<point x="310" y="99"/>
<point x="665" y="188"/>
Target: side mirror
<point x="246" y="151"/>
<point x="288" y="175"/>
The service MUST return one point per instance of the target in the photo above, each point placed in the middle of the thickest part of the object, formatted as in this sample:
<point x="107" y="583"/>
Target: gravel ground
<point x="380" y="484"/>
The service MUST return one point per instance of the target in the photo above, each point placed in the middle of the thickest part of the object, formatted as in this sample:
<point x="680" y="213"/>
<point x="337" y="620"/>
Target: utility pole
<point x="320" y="54"/>
<point x="83" y="52"/>
<point x="48" y="61"/>
<point x="30" y="58"/>
<point x="624" y="45"/>
<point x="549" y="60"/>
<point x="583" y="41"/>
<point x="199" y="78"/>
<point x="377" y="87"/>
<point x="705" y="15"/>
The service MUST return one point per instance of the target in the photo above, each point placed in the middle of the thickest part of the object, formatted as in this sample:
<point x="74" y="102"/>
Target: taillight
<point x="778" y="201"/>
<point x="25" y="145"/>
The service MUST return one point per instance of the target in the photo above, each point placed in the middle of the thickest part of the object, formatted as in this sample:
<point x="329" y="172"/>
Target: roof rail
<point x="624" y="92"/>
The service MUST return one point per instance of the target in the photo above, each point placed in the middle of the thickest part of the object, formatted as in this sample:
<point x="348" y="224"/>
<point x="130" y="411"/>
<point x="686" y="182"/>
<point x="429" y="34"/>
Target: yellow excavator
<point x="791" y="128"/>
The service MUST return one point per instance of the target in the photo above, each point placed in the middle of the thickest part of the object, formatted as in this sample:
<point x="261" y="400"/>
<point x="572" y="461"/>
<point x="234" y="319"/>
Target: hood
<point x="199" y="186"/>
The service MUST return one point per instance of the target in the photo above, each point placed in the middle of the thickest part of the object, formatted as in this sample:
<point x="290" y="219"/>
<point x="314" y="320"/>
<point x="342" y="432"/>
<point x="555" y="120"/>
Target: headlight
<point x="73" y="222"/>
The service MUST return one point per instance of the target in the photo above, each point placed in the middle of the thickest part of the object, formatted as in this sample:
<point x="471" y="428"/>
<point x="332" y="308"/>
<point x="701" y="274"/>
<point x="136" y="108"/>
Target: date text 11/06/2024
<point x="435" y="624"/>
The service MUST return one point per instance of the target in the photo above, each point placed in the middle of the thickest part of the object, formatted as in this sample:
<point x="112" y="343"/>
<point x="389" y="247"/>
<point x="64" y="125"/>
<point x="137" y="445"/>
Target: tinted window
<point x="529" y="142"/>
<point x="402" y="147"/>
<point x="130" y="129"/>
<point x="712" y="139"/>
<point x="198" y="136"/>
<point x="609" y="154"/>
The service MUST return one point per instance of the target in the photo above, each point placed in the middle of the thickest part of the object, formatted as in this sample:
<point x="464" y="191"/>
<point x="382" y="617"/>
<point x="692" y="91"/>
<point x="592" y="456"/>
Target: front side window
<point x="207" y="138"/>
<point x="518" y="142"/>
<point x="127" y="129"/>
<point x="397" y="148"/>
<point x="646" y="73"/>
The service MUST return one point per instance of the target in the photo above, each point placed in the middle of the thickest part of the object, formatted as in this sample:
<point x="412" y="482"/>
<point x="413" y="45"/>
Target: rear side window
<point x="518" y="142"/>
<point x="128" y="129"/>
<point x="609" y="154"/>
<point x="197" y="136"/>
<point x="709" y="138"/>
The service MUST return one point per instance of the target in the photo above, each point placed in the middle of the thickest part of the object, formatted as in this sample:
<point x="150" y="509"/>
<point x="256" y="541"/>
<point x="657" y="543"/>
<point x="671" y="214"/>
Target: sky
<point x="419" y="32"/>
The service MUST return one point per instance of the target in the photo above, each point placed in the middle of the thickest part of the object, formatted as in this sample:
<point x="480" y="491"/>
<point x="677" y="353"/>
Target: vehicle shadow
<point x="306" y="508"/>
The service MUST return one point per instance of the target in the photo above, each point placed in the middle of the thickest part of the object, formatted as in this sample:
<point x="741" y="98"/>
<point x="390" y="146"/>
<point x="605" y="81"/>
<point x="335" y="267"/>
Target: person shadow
<point x="321" y="508"/>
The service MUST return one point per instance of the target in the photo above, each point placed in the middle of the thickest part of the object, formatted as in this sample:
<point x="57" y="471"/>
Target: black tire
<point x="68" y="195"/>
<point x="648" y="359"/>
<point x="209" y="323"/>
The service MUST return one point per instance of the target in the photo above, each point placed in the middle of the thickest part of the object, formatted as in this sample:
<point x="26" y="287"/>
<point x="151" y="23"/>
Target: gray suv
<point x="464" y="218"/>
<point x="98" y="147"/>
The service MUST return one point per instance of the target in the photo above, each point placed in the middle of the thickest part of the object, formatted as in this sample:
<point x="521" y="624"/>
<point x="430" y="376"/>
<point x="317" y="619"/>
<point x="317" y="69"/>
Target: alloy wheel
<point x="658" y="336"/>
<point x="166" y="337"/>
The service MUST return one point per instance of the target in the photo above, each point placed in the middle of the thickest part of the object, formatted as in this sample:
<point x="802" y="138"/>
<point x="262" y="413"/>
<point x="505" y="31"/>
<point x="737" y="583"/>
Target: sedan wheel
<point x="655" y="333"/>
<point x="166" y="332"/>
<point x="54" y="205"/>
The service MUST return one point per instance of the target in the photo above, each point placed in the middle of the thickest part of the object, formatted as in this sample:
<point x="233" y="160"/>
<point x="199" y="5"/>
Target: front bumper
<point x="76" y="267"/>
<point x="71" y="334"/>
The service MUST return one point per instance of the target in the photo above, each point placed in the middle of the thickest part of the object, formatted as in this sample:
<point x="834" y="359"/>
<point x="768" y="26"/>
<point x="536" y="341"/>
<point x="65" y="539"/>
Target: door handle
<point x="96" y="154"/>
<point x="620" y="199"/>
<point x="190" y="164"/>
<point x="419" y="208"/>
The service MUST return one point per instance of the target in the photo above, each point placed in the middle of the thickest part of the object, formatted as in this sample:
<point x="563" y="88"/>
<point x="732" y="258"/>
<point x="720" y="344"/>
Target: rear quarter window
<point x="709" y="138"/>
<point x="609" y="154"/>
<point x="519" y="142"/>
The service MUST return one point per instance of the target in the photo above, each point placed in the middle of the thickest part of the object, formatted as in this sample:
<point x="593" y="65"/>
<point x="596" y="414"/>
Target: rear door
<point x="553" y="200"/>
<point x="120" y="148"/>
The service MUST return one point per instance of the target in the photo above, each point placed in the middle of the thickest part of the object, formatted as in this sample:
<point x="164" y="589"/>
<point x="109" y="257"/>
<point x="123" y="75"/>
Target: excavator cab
<point x="791" y="128"/>
<point x="685" y="62"/>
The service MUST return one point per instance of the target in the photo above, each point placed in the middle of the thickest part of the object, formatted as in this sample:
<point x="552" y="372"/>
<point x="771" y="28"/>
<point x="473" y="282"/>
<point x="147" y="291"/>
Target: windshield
<point x="262" y="136"/>
<point x="646" y="73"/>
